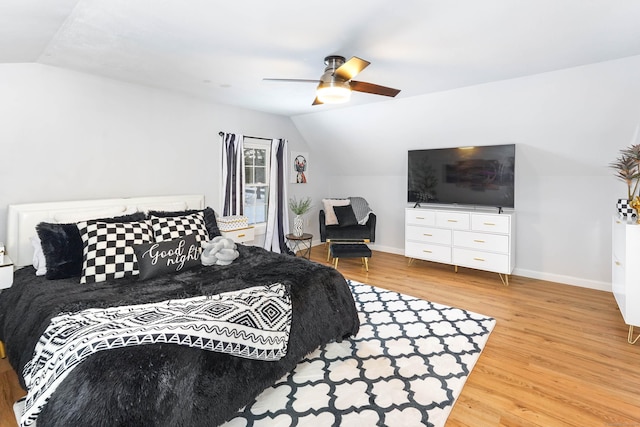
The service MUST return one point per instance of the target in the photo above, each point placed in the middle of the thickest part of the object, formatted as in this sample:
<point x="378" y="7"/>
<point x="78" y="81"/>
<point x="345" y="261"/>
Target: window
<point x="257" y="154"/>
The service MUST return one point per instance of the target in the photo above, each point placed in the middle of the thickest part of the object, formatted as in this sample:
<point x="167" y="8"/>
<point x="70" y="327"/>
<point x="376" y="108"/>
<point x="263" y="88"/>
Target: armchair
<point x="360" y="233"/>
<point x="353" y="232"/>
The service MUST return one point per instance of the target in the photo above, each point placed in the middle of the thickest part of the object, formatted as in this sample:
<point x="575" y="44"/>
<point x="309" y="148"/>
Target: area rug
<point x="406" y="367"/>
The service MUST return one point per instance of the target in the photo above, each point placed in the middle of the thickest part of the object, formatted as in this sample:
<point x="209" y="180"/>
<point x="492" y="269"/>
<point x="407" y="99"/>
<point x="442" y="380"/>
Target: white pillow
<point x="39" y="261"/>
<point x="329" y="215"/>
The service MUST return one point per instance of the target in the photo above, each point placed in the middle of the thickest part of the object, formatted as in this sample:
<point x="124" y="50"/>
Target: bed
<point x="161" y="382"/>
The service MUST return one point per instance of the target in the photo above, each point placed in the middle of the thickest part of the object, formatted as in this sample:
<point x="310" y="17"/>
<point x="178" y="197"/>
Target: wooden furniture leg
<point x="630" y="338"/>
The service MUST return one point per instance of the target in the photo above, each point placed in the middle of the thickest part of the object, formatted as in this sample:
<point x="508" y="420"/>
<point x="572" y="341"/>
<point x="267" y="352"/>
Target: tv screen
<point x="475" y="176"/>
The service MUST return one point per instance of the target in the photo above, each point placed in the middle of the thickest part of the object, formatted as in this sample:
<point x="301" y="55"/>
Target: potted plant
<point x="627" y="168"/>
<point x="299" y="207"/>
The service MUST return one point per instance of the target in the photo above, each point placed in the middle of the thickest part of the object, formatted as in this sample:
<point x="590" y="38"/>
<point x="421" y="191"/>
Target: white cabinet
<point x="6" y="272"/>
<point x="465" y="238"/>
<point x="241" y="235"/>
<point x="625" y="271"/>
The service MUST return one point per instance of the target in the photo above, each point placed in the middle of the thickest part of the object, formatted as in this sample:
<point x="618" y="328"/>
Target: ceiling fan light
<point x="335" y="93"/>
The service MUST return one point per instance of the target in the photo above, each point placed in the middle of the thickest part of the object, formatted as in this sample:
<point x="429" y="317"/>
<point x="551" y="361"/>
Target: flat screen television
<point x="469" y="176"/>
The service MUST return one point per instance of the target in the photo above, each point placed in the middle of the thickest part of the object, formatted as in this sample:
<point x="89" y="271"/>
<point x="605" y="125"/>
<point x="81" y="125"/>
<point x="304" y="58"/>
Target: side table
<point x="240" y="235"/>
<point x="6" y="272"/>
<point x="300" y="244"/>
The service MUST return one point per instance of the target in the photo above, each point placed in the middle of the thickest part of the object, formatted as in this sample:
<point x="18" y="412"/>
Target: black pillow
<point x="209" y="218"/>
<point x="62" y="246"/>
<point x="345" y="216"/>
<point x="169" y="256"/>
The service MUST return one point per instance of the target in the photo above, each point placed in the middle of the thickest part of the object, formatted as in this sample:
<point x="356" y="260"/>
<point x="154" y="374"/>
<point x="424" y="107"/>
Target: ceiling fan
<point x="336" y="83"/>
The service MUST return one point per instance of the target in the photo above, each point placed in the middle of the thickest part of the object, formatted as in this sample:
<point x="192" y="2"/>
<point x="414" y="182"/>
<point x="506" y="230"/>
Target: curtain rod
<point x="247" y="136"/>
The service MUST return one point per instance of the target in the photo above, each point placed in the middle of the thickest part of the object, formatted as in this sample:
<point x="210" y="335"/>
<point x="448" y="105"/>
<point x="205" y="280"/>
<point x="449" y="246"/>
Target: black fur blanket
<point x="171" y="385"/>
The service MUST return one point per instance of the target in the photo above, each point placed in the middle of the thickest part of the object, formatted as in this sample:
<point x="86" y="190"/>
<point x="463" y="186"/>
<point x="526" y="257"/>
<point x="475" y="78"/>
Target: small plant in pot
<point x="299" y="207"/>
<point x="627" y="168"/>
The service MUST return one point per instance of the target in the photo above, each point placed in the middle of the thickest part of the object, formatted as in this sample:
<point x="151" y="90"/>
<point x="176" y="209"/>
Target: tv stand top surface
<point x="454" y="208"/>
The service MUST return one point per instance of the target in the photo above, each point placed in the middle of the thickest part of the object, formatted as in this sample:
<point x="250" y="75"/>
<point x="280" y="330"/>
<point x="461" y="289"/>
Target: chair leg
<point x="2" y="352"/>
<point x="366" y="263"/>
<point x="335" y="263"/>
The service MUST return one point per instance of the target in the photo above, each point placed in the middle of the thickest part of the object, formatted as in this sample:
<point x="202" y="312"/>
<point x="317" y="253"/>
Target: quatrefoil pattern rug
<point x="406" y="367"/>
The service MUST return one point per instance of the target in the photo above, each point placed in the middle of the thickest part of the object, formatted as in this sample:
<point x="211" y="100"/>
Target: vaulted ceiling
<point x="221" y="51"/>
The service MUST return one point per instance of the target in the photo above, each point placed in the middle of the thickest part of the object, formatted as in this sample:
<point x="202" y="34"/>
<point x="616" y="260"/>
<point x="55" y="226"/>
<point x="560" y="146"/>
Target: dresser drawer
<point x="618" y="282"/>
<point x="487" y="261"/>
<point x="453" y="220"/>
<point x="490" y="223"/>
<point x="428" y="235"/>
<point x="420" y="217"/>
<point x="242" y="235"/>
<point x="428" y="252"/>
<point x="481" y="241"/>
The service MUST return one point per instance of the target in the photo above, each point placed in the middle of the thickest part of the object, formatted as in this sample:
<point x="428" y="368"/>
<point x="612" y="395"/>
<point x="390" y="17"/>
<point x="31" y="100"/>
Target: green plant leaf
<point x="300" y="207"/>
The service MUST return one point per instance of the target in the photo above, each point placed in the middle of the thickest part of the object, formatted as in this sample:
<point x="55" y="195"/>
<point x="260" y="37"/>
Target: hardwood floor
<point x="558" y="355"/>
<point x="10" y="391"/>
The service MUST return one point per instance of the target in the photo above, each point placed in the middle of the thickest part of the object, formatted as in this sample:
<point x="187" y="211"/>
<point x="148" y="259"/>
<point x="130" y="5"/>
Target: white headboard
<point x="22" y="219"/>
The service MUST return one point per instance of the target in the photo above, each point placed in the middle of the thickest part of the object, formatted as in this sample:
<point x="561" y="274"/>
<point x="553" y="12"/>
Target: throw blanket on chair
<point x="252" y="323"/>
<point x="361" y="209"/>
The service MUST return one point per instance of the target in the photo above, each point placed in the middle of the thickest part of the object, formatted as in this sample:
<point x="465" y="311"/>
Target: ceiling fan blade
<point x="374" y="89"/>
<point x="317" y="102"/>
<point x="351" y="68"/>
<point x="292" y="80"/>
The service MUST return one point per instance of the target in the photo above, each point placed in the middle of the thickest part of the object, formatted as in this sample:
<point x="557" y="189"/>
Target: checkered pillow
<point x="108" y="248"/>
<point x="170" y="228"/>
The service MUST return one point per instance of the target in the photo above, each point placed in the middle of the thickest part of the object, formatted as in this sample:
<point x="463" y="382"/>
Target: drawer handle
<point x="478" y="241"/>
<point x="478" y="259"/>
<point x="618" y="263"/>
<point x="419" y="217"/>
<point x="489" y="223"/>
<point x="427" y="251"/>
<point x="452" y="220"/>
<point x="427" y="234"/>
<point x="241" y="235"/>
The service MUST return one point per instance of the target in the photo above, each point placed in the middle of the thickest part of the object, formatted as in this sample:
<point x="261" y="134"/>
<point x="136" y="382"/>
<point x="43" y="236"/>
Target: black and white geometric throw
<point x="108" y="249"/>
<point x="406" y="367"/>
<point x="252" y="323"/>
<point x="167" y="228"/>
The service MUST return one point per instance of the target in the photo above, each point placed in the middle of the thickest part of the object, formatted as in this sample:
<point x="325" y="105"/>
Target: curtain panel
<point x="277" y="216"/>
<point x="232" y="174"/>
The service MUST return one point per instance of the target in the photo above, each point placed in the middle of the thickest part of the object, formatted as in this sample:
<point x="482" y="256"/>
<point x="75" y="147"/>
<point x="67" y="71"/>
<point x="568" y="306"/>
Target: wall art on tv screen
<point x="474" y="176"/>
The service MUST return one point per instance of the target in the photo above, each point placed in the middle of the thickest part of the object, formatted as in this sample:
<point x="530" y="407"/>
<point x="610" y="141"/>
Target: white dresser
<point x="625" y="271"/>
<point x="465" y="238"/>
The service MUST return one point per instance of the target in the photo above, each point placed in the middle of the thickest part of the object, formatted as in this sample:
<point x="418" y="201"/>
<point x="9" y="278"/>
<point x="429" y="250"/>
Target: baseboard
<point x="549" y="277"/>
<point x="386" y="249"/>
<point x="566" y="280"/>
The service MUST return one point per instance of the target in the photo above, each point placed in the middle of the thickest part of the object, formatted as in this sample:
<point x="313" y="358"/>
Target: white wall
<point x="66" y="136"/>
<point x="568" y="126"/>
